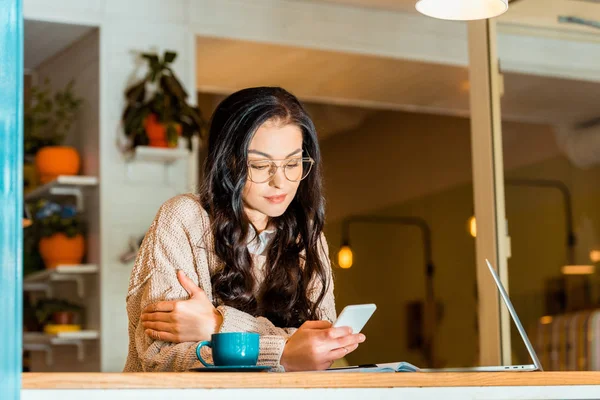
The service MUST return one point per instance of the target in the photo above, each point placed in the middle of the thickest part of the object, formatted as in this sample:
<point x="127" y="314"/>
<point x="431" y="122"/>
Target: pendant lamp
<point x="462" y="10"/>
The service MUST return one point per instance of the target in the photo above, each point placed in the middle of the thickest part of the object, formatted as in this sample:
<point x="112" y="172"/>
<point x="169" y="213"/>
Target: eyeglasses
<point x="294" y="169"/>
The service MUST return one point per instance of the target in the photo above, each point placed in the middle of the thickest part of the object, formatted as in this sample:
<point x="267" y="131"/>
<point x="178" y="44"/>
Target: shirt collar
<point x="257" y="244"/>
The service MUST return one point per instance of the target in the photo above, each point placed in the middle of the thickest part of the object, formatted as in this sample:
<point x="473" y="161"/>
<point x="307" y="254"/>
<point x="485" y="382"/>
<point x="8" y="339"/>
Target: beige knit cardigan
<point x="180" y="238"/>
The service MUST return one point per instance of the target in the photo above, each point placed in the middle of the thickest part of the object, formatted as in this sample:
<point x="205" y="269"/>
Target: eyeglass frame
<point x="308" y="159"/>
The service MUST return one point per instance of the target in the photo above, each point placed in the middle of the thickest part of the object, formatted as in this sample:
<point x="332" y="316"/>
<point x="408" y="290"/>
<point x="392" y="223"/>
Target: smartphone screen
<point x="355" y="316"/>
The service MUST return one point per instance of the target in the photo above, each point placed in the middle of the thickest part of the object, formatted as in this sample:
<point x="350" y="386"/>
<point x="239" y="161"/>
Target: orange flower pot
<point x="59" y="249"/>
<point x="53" y="161"/>
<point x="157" y="132"/>
<point x="64" y="317"/>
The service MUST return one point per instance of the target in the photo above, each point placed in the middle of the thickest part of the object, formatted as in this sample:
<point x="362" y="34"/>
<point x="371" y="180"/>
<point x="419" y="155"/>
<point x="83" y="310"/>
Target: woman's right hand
<point x="316" y="345"/>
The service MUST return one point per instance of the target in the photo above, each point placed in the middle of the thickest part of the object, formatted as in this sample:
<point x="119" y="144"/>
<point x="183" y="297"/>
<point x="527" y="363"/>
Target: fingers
<point x="316" y="325"/>
<point x="335" y="355"/>
<point x="334" y="333"/>
<point x="159" y="326"/>
<point x="157" y="317"/>
<point x="189" y="285"/>
<point x="342" y="351"/>
<point x="324" y="366"/>
<point x="161" y="306"/>
<point x="344" y="345"/>
<point x="162" y="336"/>
<point x="349" y="340"/>
<point x="351" y="348"/>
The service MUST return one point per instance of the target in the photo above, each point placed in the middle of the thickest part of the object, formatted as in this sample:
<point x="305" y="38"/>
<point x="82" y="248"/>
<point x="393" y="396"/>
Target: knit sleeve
<point x="273" y="339"/>
<point x="166" y="248"/>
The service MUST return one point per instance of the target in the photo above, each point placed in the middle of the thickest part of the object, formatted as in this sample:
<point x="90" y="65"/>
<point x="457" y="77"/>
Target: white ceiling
<point x="530" y="13"/>
<point x="394" y="5"/>
<point x="225" y="65"/>
<point x="45" y="39"/>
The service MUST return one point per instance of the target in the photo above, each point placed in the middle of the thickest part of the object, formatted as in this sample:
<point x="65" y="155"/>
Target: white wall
<point x="548" y="56"/>
<point x="132" y="193"/>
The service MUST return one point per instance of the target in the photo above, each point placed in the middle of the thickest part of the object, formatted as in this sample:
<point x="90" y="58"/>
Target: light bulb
<point x="345" y="257"/>
<point x="472" y="226"/>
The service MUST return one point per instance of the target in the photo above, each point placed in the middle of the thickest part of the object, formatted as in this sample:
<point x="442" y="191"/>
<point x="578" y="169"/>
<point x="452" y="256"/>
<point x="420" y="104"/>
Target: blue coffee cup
<point x="231" y="349"/>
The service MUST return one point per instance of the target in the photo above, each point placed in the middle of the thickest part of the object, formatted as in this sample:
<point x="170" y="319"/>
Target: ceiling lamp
<point x="462" y="10"/>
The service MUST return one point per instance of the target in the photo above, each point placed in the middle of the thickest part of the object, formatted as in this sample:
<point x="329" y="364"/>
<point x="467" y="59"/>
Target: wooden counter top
<point x="214" y="380"/>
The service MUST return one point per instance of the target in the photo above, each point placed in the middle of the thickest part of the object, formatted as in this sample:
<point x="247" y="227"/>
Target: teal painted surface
<point x="11" y="197"/>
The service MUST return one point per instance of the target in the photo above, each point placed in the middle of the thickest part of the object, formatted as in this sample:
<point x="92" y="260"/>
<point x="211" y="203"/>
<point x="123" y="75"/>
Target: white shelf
<point x="59" y="338"/>
<point x="64" y="185"/>
<point x="61" y="270"/>
<point x="160" y="154"/>
<point x="38" y="341"/>
<point x="41" y="281"/>
<point x="62" y="181"/>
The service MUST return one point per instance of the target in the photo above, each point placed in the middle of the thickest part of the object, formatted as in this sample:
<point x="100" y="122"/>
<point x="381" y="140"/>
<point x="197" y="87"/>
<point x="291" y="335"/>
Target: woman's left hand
<point x="191" y="320"/>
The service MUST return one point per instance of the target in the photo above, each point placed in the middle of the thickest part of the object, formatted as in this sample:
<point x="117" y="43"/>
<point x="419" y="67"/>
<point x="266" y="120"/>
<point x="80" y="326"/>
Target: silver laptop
<point x="536" y="366"/>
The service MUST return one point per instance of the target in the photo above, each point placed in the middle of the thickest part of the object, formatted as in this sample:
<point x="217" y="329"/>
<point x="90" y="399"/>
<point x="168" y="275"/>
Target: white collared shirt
<point x="257" y="245"/>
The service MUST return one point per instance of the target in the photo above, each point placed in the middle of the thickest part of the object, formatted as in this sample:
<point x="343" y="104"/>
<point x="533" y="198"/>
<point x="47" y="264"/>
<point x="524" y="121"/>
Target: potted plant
<point x="52" y="312"/>
<point x="157" y="112"/>
<point x="61" y="234"/>
<point x="47" y="121"/>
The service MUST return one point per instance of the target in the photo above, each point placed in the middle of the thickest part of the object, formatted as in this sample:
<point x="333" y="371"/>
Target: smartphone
<point x="355" y="316"/>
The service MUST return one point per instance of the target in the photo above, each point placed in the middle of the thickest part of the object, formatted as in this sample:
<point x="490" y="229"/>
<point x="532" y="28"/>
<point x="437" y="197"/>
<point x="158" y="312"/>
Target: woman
<point x="250" y="243"/>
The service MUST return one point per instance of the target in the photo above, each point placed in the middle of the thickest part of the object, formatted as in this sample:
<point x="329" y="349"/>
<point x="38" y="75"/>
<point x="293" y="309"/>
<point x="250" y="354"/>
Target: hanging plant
<point x="157" y="111"/>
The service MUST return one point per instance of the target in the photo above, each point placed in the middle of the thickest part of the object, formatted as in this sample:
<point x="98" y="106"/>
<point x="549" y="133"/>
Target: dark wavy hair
<point x="293" y="262"/>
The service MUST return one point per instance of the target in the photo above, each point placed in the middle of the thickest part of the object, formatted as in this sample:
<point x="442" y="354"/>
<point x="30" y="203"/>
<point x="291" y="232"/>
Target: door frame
<point x="11" y="197"/>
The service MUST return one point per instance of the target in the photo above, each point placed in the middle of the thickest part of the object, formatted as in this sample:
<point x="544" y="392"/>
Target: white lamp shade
<point x="462" y="10"/>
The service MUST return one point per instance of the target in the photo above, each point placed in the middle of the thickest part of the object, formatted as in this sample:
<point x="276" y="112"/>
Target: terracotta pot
<point x="59" y="249"/>
<point x="52" y="161"/>
<point x="63" y="317"/>
<point x="157" y="132"/>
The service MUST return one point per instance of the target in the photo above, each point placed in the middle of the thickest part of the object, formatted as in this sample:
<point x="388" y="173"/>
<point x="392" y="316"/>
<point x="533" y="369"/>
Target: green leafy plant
<point x="45" y="308"/>
<point x="51" y="218"/>
<point x="160" y="93"/>
<point x="49" y="117"/>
